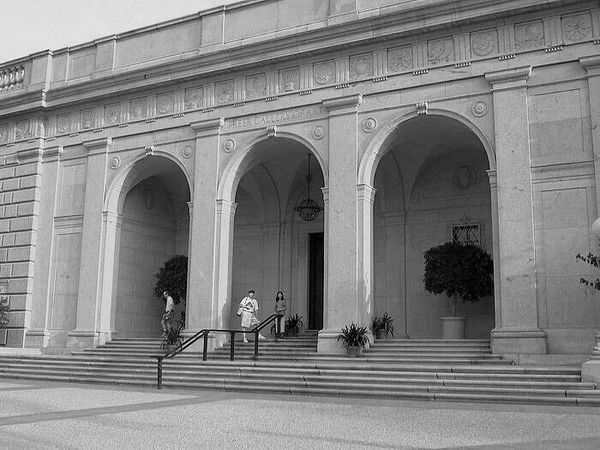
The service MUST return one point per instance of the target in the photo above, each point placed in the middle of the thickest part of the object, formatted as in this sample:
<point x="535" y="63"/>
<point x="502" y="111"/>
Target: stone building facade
<point x="425" y="121"/>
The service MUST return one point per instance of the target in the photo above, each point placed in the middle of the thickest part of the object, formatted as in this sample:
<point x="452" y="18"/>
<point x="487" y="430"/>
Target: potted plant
<point x="4" y="306"/>
<point x="383" y="326"/>
<point x="459" y="271"/>
<point x="354" y="338"/>
<point x="293" y="324"/>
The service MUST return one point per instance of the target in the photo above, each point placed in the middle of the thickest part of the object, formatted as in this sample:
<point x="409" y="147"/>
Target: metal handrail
<point x="204" y="334"/>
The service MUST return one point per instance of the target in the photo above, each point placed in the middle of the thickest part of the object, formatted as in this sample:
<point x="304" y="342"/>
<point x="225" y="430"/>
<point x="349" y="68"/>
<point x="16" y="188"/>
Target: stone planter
<point x="292" y="332"/>
<point x="354" y="352"/>
<point x="453" y="327"/>
<point x="380" y="334"/>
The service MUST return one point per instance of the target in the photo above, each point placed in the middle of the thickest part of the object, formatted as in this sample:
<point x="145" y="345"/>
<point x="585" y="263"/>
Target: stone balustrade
<point x="11" y="78"/>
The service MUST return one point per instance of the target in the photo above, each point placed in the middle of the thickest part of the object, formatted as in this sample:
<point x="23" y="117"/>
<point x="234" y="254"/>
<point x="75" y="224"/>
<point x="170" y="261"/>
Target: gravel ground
<point x="65" y="416"/>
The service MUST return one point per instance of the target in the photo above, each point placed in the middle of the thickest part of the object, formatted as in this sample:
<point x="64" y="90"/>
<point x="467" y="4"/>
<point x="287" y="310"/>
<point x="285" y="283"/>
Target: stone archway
<point x="430" y="174"/>
<point x="152" y="225"/>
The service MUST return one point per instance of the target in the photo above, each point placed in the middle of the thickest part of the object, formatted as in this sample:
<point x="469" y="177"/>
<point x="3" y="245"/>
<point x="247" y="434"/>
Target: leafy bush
<point x="463" y="270"/>
<point x="592" y="260"/>
<point x="353" y="336"/>
<point x="172" y="277"/>
<point x="294" y="322"/>
<point x="385" y="322"/>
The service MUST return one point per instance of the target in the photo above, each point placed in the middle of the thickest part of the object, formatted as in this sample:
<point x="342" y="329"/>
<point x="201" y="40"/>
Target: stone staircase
<point x="463" y="370"/>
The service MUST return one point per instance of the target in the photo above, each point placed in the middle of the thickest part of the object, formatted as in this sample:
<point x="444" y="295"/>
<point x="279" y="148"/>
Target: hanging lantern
<point x="308" y="209"/>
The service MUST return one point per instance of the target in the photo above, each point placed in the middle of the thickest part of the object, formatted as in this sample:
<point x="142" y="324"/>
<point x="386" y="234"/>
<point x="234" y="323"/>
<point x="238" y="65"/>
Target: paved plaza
<point x="56" y="415"/>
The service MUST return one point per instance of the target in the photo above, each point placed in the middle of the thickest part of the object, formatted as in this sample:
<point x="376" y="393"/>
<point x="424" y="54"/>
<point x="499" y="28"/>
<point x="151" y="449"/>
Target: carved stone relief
<point x="63" y="123"/>
<point x="193" y="98"/>
<point x="400" y="59"/>
<point x="23" y="130"/>
<point x="289" y="80"/>
<point x="188" y="151"/>
<point x="529" y="35"/>
<point x="318" y="132"/>
<point x="3" y="133"/>
<point x="256" y="86"/>
<point x="324" y="72"/>
<point x="479" y="109"/>
<point x="115" y="162"/>
<point x="88" y="118"/>
<point x="224" y="92"/>
<point x="369" y="125"/>
<point x="228" y="145"/>
<point x="577" y="27"/>
<point x="138" y="108"/>
<point x="165" y="103"/>
<point x="361" y="66"/>
<point x="112" y="114"/>
<point x="484" y="43"/>
<point x="440" y="51"/>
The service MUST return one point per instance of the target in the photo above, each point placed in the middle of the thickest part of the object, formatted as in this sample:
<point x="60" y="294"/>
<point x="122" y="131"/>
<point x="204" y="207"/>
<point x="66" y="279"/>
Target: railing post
<point x="232" y="347"/>
<point x="256" y="344"/>
<point x="159" y="381"/>
<point x="205" y="347"/>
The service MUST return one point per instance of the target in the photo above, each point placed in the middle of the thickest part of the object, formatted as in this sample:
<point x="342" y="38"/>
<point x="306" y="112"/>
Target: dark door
<point x="315" y="281"/>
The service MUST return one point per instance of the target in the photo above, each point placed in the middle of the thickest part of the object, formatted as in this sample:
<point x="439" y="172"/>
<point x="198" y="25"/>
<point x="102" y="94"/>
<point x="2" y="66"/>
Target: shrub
<point x="385" y="322"/>
<point x="172" y="277"/>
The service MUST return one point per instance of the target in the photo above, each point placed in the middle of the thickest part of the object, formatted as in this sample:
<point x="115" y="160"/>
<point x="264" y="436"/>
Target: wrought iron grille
<point x="466" y="234"/>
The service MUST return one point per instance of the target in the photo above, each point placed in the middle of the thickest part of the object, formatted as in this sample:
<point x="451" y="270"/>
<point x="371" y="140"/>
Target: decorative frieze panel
<point x="138" y="108"/>
<point x="165" y="103"/>
<point x="224" y="92"/>
<point x="529" y="35"/>
<point x="440" y="51"/>
<point x="23" y="130"/>
<point x="289" y="80"/>
<point x="324" y="73"/>
<point x="193" y="98"/>
<point x="88" y="118"/>
<point x="3" y="133"/>
<point x="484" y="43"/>
<point x="63" y="123"/>
<point x="112" y="114"/>
<point x="576" y="27"/>
<point x="256" y="86"/>
<point x="361" y="66"/>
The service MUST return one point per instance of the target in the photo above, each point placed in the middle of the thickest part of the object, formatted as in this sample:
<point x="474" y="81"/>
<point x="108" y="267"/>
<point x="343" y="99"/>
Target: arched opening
<point x="273" y="248"/>
<point x="154" y="226"/>
<point x="431" y="187"/>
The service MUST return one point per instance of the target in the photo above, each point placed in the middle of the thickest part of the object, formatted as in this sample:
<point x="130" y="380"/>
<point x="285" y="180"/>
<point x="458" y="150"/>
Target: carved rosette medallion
<point x="224" y="92"/>
<point x="318" y="132"/>
<point x="479" y="109"/>
<point x="229" y="146"/>
<point x="324" y="72"/>
<point x="165" y="103"/>
<point x="440" y="51"/>
<point x="112" y="114"/>
<point x="464" y="177"/>
<point x="256" y="86"/>
<point x="193" y="98"/>
<point x="88" y="117"/>
<point x="529" y="35"/>
<point x="484" y="43"/>
<point x="138" y="108"/>
<point x="188" y="151"/>
<point x="3" y="133"/>
<point x="369" y="125"/>
<point x="63" y="123"/>
<point x="361" y="66"/>
<point x="289" y="80"/>
<point x="577" y="28"/>
<point x="115" y="163"/>
<point x="400" y="59"/>
<point x="23" y="130"/>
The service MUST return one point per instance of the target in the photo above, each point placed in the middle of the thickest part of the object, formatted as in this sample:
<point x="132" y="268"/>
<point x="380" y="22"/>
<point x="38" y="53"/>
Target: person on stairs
<point x="167" y="317"/>
<point x="247" y="310"/>
<point x="280" y="309"/>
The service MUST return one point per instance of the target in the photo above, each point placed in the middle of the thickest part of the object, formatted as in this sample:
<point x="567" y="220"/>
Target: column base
<point x="328" y="344"/>
<point x="37" y="338"/>
<point x="590" y="370"/>
<point x="511" y="342"/>
<point x="80" y="339"/>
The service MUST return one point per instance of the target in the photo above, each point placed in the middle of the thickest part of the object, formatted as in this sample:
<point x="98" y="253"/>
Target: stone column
<point x="37" y="336"/>
<point x="203" y="243"/>
<point x="364" y="234"/>
<point x="495" y="247"/>
<point x="111" y="224"/>
<point x="518" y="331"/>
<point x="590" y="370"/>
<point x="89" y="297"/>
<point x="343" y="304"/>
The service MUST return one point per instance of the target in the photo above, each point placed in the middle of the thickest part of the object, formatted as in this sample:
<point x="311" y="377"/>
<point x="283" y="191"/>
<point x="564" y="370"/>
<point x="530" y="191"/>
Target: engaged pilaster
<point x="518" y="330"/>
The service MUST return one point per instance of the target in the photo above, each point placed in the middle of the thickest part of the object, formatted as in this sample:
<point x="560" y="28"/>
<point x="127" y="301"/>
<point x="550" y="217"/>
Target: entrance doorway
<point x="315" y="281"/>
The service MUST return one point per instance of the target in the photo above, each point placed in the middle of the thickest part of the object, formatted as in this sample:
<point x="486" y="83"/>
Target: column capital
<point x="190" y="206"/>
<point x="98" y="146"/>
<point x="510" y="78"/>
<point x="52" y="154"/>
<point x="32" y="153"/>
<point x="591" y="64"/>
<point x="366" y="192"/>
<point x="343" y="105"/>
<point x="209" y="127"/>
<point x="226" y="207"/>
<point x="493" y="178"/>
<point x="325" y="191"/>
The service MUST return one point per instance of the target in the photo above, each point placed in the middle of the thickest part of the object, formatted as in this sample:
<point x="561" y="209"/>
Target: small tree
<point x="172" y="277"/>
<point x="592" y="260"/>
<point x="464" y="271"/>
